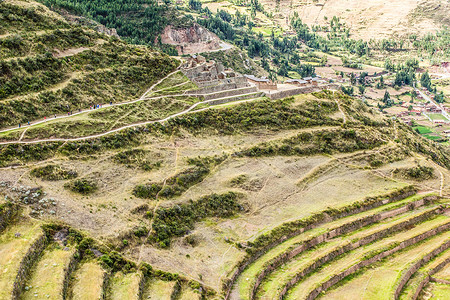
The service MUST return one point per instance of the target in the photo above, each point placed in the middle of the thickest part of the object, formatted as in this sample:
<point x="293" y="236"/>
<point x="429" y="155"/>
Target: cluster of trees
<point x="138" y="21"/>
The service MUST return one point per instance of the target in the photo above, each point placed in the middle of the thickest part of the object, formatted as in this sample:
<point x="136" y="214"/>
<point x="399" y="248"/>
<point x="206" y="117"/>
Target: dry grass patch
<point x="13" y="250"/>
<point x="88" y="282"/>
<point x="158" y="289"/>
<point x="46" y="281"/>
<point x="124" y="286"/>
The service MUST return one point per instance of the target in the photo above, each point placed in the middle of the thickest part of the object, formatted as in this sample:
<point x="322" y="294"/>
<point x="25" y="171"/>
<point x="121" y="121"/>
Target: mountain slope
<point x="374" y="19"/>
<point x="48" y="66"/>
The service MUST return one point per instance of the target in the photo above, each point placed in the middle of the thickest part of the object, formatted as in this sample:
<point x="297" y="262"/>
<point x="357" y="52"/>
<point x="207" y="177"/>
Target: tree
<point x="425" y="80"/>
<point x="347" y="90"/>
<point x="440" y="97"/>
<point x="362" y="89"/>
<point x="387" y="99"/>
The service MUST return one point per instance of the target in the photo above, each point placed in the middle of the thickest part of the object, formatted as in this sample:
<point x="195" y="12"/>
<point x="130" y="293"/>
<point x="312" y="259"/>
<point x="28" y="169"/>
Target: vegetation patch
<point x="269" y="114"/>
<point x="53" y="173"/>
<point x="82" y="186"/>
<point x="416" y="173"/>
<point x="323" y="141"/>
<point x="179" y="220"/>
<point x="136" y="158"/>
<point x="176" y="185"/>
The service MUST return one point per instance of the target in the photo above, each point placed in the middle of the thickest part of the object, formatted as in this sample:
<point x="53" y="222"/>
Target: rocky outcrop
<point x="194" y="39"/>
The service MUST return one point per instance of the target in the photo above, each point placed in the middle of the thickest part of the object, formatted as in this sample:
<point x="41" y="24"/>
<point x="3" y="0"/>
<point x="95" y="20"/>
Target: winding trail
<point x="189" y="110"/>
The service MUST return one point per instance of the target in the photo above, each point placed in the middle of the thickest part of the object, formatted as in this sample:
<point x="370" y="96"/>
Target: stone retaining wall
<point x="219" y="88"/>
<point x="234" y="98"/>
<point x="361" y="242"/>
<point x="27" y="264"/>
<point x="9" y="212"/>
<point x="276" y="262"/>
<point x="427" y="279"/>
<point x="229" y="93"/>
<point x="353" y="269"/>
<point x="229" y="283"/>
<point x="300" y="90"/>
<point x="71" y="266"/>
<point x="142" y="285"/>
<point x="411" y="271"/>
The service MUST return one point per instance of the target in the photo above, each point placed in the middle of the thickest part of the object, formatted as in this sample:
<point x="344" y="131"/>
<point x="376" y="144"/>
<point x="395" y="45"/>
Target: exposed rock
<point x="194" y="39"/>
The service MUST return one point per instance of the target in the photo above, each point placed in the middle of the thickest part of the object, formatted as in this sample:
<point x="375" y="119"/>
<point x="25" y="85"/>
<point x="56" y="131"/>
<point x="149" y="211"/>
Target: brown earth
<point x="375" y="19"/>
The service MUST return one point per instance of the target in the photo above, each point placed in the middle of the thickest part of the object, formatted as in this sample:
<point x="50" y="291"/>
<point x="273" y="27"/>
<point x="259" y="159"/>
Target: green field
<point x="437" y="117"/>
<point x="423" y="129"/>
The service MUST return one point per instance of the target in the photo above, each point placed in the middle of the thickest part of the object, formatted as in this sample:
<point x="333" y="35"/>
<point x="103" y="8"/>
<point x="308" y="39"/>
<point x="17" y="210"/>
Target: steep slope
<point x="374" y="19"/>
<point x="48" y="66"/>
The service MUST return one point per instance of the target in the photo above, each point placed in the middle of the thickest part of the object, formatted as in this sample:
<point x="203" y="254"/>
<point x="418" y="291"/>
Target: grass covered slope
<point x="54" y="67"/>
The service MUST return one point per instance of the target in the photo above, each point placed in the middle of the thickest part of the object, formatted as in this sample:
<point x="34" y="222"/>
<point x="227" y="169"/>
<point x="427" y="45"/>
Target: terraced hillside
<point x="50" y="67"/>
<point x="181" y="187"/>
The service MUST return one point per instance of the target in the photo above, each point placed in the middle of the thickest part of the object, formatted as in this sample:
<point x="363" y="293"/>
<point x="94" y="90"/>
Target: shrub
<point x="82" y="186"/>
<point x="53" y="173"/>
<point x="180" y="219"/>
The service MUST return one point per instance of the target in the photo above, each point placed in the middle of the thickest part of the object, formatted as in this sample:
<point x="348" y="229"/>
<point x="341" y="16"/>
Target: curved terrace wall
<point x="346" y="211"/>
<point x="411" y="271"/>
<point x="335" y="279"/>
<point x="26" y="265"/>
<point x="341" y="230"/>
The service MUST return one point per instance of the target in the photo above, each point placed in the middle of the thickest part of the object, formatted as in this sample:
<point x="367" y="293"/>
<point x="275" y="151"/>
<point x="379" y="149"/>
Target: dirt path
<point x="344" y="117"/>
<point x="187" y="111"/>
<point x="142" y="98"/>
<point x="150" y="231"/>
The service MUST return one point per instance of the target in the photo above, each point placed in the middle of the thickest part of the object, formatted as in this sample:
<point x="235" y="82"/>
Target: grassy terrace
<point x="108" y="118"/>
<point x="420" y="275"/>
<point x="439" y="291"/>
<point x="88" y="282"/>
<point x="271" y="287"/>
<point x="158" y="289"/>
<point x="124" y="286"/>
<point x="47" y="279"/>
<point x="175" y="84"/>
<point x="304" y="287"/>
<point x="253" y="269"/>
<point x="380" y="280"/>
<point x="13" y="250"/>
<point x="188" y="293"/>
